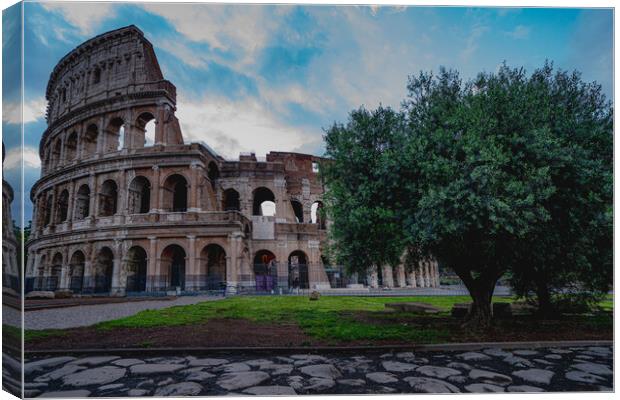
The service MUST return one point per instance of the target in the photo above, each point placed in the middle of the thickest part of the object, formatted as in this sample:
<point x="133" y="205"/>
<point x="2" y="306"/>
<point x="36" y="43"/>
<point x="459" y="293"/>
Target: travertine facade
<point x="10" y="268"/>
<point x="117" y="212"/>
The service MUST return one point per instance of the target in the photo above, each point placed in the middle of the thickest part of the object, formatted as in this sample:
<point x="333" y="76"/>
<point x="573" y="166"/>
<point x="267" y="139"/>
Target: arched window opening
<point x="298" y="211"/>
<point x="139" y="196"/>
<point x="108" y="199"/>
<point x="96" y="76"/>
<point x="56" y="271"/>
<point x="173" y="263"/>
<point x="114" y="135"/>
<point x="82" y="202"/>
<point x="71" y="147"/>
<point x="145" y="125"/>
<point x="264" y="202"/>
<point x="56" y="152"/>
<point x="231" y="200"/>
<point x="265" y="271"/>
<point x="40" y="283"/>
<point x="213" y="173"/>
<point x="317" y="214"/>
<point x="102" y="270"/>
<point x="48" y="210"/>
<point x="175" y="193"/>
<point x="298" y="270"/>
<point x="135" y="267"/>
<point x="76" y="271"/>
<point x="62" y="206"/>
<point x="213" y="258"/>
<point x="90" y="140"/>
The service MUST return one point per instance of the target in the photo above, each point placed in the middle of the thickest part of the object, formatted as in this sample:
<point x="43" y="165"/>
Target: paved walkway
<point x="73" y="317"/>
<point x="489" y="370"/>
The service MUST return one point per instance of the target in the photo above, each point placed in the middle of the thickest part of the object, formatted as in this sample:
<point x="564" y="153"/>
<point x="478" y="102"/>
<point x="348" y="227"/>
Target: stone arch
<point x="175" y="193"/>
<point x="55" y="272"/>
<point x="71" y="146"/>
<point x="89" y="142"/>
<point x="213" y="265"/>
<point x="76" y="271"/>
<point x="139" y="196"/>
<point x="213" y="173"/>
<point x="62" y="207"/>
<point x="135" y="268"/>
<point x="265" y="270"/>
<point x="96" y="75"/>
<point x="114" y="134"/>
<point x="108" y="198"/>
<point x="231" y="201"/>
<point x="82" y="202"/>
<point x="317" y="214"/>
<point x="298" y="211"/>
<point x="56" y="152"/>
<point x="263" y="198"/>
<point x="173" y="266"/>
<point x="103" y="269"/>
<point x="145" y="129"/>
<point x="298" y="270"/>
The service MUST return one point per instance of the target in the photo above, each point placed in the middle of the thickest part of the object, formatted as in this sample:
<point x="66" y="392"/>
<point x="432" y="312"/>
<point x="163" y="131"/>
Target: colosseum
<point x="122" y="209"/>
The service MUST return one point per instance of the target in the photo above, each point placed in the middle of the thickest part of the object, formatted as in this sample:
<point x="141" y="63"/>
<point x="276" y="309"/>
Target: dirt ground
<point x="245" y="333"/>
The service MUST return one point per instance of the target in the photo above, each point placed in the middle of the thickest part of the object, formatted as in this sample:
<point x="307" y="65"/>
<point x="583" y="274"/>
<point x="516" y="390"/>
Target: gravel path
<point x="551" y="369"/>
<point x="72" y="317"/>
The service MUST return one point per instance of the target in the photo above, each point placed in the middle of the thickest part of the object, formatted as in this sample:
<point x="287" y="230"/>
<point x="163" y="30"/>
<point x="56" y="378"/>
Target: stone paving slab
<point x="487" y="370"/>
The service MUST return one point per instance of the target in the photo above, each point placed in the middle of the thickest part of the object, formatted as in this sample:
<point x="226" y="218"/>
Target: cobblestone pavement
<point x="73" y="317"/>
<point x="488" y="370"/>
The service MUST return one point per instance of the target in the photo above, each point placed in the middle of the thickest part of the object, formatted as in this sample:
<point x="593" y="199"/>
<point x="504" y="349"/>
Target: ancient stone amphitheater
<point x="119" y="211"/>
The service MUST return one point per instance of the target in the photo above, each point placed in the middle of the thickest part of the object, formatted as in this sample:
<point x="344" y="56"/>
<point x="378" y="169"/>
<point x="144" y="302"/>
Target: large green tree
<point x="475" y="174"/>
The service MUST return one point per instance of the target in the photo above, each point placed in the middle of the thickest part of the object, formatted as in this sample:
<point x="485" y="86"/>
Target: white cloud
<point x="230" y="127"/>
<point x="13" y="158"/>
<point x="33" y="110"/>
<point x="519" y="32"/>
<point x="240" y="29"/>
<point x="84" y="16"/>
<point x="471" y="43"/>
<point x="182" y="52"/>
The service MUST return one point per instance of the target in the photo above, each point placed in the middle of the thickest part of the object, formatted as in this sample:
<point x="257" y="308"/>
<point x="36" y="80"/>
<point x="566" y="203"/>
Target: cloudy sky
<point x="259" y="78"/>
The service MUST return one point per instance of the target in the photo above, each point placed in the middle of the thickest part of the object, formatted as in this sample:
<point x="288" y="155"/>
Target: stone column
<point x="412" y="278"/>
<point x="193" y="188"/>
<point x="436" y="269"/>
<point x="88" y="282"/>
<point x="155" y="191"/>
<point x="151" y="268"/>
<point x="116" y="289"/>
<point x="78" y="149"/>
<point x="61" y="161"/>
<point x="191" y="271"/>
<point x="388" y="276"/>
<point x="427" y="278"/>
<point x="101" y="137"/>
<point x="159" y="126"/>
<point x="420" y="274"/>
<point x="373" y="277"/>
<point x="94" y="193"/>
<point x="71" y="204"/>
<point x="121" y="207"/>
<point x="402" y="281"/>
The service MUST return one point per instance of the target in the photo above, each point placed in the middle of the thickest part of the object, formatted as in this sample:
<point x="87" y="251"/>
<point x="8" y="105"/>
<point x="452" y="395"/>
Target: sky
<point x="274" y="77"/>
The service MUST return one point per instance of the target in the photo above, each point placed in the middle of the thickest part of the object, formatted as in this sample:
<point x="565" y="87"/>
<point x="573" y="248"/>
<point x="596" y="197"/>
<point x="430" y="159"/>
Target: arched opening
<point x="175" y="193"/>
<point x="135" y="267"/>
<point x="265" y="271"/>
<point x="62" y="206"/>
<point x="298" y="211"/>
<point x="213" y="258"/>
<point x="82" y="202"/>
<point x="102" y="270"/>
<point x="90" y="140"/>
<point x="298" y="270"/>
<point x="145" y="123"/>
<point x="71" y="146"/>
<point x="173" y="263"/>
<point x="76" y="271"/>
<point x="264" y="202"/>
<point x="213" y="173"/>
<point x="231" y="200"/>
<point x="108" y="198"/>
<point x="56" y="272"/>
<point x="96" y="76"/>
<point x="56" y="151"/>
<point x="48" y="209"/>
<point x="114" y="135"/>
<point x="317" y="214"/>
<point x="139" y="196"/>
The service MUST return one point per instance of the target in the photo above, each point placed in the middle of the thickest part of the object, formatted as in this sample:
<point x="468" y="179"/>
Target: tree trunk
<point x="481" y="290"/>
<point x="545" y="308"/>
